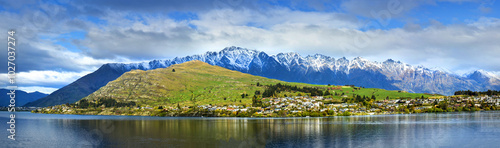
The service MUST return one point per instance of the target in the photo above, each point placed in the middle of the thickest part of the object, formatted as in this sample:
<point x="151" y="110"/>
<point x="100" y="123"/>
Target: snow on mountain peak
<point x="486" y="74"/>
<point x="241" y="58"/>
<point x="360" y="59"/>
<point x="440" y="69"/>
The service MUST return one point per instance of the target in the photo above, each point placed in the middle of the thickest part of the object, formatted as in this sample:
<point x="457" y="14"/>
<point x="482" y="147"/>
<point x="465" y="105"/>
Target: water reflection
<point x="416" y="130"/>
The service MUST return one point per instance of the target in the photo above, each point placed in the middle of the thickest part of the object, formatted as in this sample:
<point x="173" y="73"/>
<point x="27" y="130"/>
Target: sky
<point x="60" y="41"/>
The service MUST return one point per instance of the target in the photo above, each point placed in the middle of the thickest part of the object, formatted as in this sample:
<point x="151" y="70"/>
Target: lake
<point x="476" y="129"/>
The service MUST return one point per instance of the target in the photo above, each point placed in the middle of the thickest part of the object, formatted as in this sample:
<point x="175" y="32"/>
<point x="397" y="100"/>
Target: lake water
<point x="477" y="129"/>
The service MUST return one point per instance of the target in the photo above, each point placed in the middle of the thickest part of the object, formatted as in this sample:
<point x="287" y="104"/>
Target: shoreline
<point x="351" y="115"/>
<point x="288" y="107"/>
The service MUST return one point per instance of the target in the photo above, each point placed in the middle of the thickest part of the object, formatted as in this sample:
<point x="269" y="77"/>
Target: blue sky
<point x="62" y="40"/>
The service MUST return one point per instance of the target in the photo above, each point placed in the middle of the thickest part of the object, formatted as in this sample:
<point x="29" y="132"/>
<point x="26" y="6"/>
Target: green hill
<point x="196" y="82"/>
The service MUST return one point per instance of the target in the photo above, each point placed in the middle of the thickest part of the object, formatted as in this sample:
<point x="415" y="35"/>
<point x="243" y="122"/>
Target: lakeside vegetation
<point x="293" y="107"/>
<point x="478" y="93"/>
<point x="279" y="103"/>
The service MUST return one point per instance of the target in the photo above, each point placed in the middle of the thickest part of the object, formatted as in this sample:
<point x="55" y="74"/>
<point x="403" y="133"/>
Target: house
<point x="334" y="105"/>
<point x="268" y="112"/>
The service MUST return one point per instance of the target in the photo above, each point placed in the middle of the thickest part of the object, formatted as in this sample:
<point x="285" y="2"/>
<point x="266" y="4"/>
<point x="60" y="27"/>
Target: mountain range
<point x="292" y="67"/>
<point x="22" y="97"/>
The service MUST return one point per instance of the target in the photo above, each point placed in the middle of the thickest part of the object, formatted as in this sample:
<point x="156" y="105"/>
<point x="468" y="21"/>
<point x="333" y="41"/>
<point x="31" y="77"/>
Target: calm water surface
<point x="478" y="129"/>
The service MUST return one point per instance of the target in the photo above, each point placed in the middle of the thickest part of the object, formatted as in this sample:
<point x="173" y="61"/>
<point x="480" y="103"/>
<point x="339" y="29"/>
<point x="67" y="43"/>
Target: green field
<point x="196" y="82"/>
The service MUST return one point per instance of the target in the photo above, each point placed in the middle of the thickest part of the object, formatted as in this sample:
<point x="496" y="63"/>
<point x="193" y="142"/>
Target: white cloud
<point x="45" y="78"/>
<point x="159" y="37"/>
<point x="45" y="90"/>
<point x="454" y="47"/>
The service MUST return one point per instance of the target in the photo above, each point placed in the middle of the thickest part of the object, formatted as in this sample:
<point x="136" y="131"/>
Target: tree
<point x="373" y="97"/>
<point x="327" y="93"/>
<point x="258" y="84"/>
<point x="173" y="70"/>
<point x="242" y="95"/>
<point x="83" y="103"/>
<point x="256" y="102"/>
<point x="358" y="98"/>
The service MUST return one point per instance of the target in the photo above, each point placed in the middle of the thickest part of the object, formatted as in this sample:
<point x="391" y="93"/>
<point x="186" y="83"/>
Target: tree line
<point x="273" y="90"/>
<point x="477" y="93"/>
<point x="107" y="102"/>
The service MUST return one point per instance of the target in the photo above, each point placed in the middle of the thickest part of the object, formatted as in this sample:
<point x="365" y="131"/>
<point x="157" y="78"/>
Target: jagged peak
<point x="389" y="61"/>
<point x="475" y="72"/>
<point x="231" y="48"/>
<point x="483" y="73"/>
<point x="438" y="69"/>
<point x="288" y="54"/>
<point x="319" y="55"/>
<point x="235" y="48"/>
<point x="360" y="59"/>
<point x="343" y="59"/>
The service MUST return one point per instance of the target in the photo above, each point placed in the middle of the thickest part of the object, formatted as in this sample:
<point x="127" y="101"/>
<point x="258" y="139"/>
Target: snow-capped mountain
<point x="292" y="67"/>
<point x="484" y="77"/>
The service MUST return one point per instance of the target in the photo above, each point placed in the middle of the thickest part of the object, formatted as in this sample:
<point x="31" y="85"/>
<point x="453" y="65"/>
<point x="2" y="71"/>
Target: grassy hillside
<point x="196" y="82"/>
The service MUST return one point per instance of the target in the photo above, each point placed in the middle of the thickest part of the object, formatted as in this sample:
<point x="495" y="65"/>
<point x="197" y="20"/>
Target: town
<point x="300" y="106"/>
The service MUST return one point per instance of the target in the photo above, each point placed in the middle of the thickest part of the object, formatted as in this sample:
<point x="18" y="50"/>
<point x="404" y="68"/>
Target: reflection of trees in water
<point x="358" y="131"/>
<point x="230" y="132"/>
